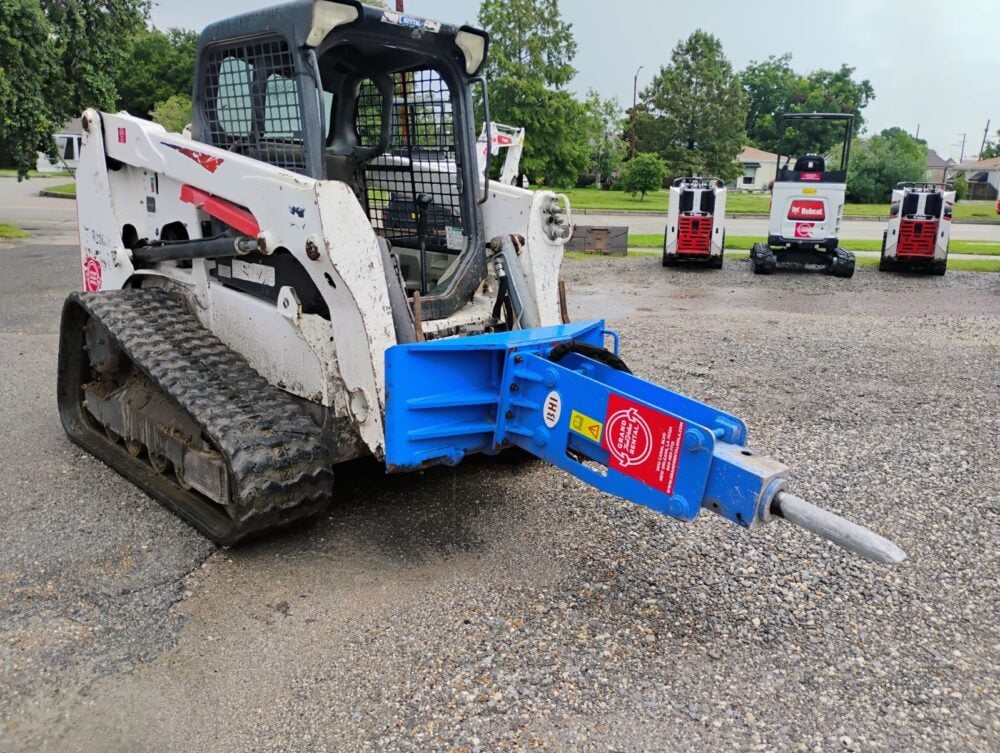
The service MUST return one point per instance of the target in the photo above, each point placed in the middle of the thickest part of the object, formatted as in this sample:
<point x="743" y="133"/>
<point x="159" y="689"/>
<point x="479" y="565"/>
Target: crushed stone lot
<point x="502" y="605"/>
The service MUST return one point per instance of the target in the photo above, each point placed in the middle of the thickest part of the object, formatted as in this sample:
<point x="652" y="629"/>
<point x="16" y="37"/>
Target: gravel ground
<point x="503" y="606"/>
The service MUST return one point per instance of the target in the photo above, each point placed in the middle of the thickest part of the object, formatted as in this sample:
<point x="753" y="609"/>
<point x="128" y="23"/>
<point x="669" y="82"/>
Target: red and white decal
<point x="811" y="176"/>
<point x="233" y="215"/>
<point x="643" y="443"/>
<point x="207" y="161"/>
<point x="804" y="229"/>
<point x="122" y="136"/>
<point x="502" y="139"/>
<point x="807" y="209"/>
<point x="91" y="275"/>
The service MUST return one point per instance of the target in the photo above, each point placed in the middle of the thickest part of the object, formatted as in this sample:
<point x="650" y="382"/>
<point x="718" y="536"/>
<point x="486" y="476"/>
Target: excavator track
<point x="148" y="390"/>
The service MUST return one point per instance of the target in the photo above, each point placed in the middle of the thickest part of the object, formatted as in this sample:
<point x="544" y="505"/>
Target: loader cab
<point x="378" y="100"/>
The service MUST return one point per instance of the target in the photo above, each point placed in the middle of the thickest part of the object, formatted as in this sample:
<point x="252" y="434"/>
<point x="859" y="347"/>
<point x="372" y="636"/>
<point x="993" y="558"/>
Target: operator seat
<point x="810" y="163"/>
<point x="345" y="155"/>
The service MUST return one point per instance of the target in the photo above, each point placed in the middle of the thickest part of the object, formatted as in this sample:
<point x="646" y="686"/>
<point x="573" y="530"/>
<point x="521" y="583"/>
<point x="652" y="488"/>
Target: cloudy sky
<point x="933" y="64"/>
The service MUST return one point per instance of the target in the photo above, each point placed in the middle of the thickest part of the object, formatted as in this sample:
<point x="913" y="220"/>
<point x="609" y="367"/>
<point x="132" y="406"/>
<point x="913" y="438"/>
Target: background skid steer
<point x="696" y="222"/>
<point x="320" y="275"/>
<point x="919" y="228"/>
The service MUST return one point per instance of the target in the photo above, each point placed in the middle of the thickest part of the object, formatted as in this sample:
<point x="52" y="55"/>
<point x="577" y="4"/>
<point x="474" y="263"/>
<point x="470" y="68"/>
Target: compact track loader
<point x="696" y="222"/>
<point x="807" y="202"/>
<point x="320" y="274"/>
<point x="919" y="228"/>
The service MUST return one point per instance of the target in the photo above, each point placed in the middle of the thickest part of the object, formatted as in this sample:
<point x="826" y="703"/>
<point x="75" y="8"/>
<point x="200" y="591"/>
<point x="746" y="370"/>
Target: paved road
<point x="48" y="220"/>
<point x="500" y="606"/>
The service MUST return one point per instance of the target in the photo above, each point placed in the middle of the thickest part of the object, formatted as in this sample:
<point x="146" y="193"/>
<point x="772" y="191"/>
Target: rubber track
<point x="279" y="464"/>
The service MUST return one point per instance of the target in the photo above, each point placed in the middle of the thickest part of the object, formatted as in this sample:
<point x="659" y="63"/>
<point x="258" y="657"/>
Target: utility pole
<point x="961" y="157"/>
<point x="986" y="135"/>
<point x="918" y="132"/>
<point x="635" y="101"/>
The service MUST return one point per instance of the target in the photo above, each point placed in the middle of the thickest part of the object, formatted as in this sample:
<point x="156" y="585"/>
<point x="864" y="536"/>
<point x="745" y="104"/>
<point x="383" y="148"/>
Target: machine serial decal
<point x="643" y="443"/>
<point x="207" y="161"/>
<point x="585" y="426"/>
<point x="258" y="273"/>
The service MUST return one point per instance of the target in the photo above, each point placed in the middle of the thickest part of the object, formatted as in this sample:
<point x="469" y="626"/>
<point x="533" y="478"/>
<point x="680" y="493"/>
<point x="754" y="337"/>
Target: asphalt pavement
<point x="49" y="220"/>
<point x="501" y="605"/>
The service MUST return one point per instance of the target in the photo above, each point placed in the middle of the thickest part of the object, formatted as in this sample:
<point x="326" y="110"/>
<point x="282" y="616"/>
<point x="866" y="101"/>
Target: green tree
<point x="91" y="41"/>
<point x="773" y="88"/>
<point x="644" y="173"/>
<point x="992" y="148"/>
<point x="695" y="111"/>
<point x="770" y="87"/>
<point x="28" y="63"/>
<point x="530" y="61"/>
<point x="162" y="65"/>
<point x="173" y="113"/>
<point x="58" y="57"/>
<point x="961" y="185"/>
<point x="529" y="40"/>
<point x="607" y="148"/>
<point x="882" y="161"/>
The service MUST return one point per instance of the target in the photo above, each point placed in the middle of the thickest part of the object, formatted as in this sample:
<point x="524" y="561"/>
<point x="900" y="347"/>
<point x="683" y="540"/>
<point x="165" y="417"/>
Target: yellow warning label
<point x="808" y="190"/>
<point x="585" y="426"/>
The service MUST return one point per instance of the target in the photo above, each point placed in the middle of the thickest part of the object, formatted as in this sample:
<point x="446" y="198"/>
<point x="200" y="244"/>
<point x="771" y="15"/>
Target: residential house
<point x="938" y="170"/>
<point x="759" y="169"/>
<point x="983" y="177"/>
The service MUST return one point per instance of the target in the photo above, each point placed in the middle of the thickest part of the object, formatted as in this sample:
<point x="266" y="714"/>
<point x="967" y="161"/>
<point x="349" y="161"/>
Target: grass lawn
<point x="9" y="232"/>
<point x="588" y="198"/>
<point x="746" y="203"/>
<point x="66" y="188"/>
<point x="737" y="242"/>
<point x="958" y="265"/>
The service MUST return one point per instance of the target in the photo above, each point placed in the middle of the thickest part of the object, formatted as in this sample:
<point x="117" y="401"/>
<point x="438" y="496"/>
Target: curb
<point x="54" y="195"/>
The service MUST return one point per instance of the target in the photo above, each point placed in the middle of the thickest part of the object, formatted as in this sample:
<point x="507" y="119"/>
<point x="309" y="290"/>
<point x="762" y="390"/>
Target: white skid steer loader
<point x="696" y="222"/>
<point x="919" y="228"/>
<point x="320" y="275"/>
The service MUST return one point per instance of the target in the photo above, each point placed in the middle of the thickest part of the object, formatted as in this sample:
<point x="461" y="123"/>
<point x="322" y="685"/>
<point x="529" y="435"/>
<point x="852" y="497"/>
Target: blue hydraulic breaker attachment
<point x="558" y="394"/>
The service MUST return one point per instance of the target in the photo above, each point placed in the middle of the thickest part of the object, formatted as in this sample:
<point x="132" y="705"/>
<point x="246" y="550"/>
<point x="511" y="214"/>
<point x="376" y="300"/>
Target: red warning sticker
<point x="804" y="229"/>
<point x="91" y="275"/>
<point x="643" y="443"/>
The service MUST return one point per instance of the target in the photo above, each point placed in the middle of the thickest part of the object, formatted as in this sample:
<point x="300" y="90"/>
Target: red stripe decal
<point x="207" y="161"/>
<point x="222" y="210"/>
